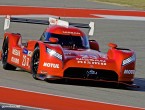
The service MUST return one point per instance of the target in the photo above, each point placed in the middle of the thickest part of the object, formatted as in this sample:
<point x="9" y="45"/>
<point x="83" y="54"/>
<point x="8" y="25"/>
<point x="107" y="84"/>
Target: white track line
<point x="116" y="17"/>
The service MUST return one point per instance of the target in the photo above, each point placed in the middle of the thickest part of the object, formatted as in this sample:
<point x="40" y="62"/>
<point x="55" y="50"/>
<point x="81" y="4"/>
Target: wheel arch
<point x="13" y="39"/>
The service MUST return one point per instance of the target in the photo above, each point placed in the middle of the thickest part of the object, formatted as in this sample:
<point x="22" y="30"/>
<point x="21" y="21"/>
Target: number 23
<point x="25" y="61"/>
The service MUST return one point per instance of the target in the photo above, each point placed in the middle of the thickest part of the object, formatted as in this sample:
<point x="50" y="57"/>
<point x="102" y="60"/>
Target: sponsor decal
<point x="70" y="32"/>
<point x="51" y="65"/>
<point x="15" y="60"/>
<point x="25" y="61"/>
<point x="129" y="71"/>
<point x="53" y="21"/>
<point x="99" y="62"/>
<point x="91" y="60"/>
<point x="27" y="52"/>
<point x="91" y="72"/>
<point x="16" y="52"/>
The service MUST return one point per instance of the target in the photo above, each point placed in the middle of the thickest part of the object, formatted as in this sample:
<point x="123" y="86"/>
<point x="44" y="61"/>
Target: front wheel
<point x="35" y="62"/>
<point x="5" y="50"/>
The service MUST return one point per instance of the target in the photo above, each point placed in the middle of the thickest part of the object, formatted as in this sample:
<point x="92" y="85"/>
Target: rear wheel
<point x="5" y="50"/>
<point x="35" y="62"/>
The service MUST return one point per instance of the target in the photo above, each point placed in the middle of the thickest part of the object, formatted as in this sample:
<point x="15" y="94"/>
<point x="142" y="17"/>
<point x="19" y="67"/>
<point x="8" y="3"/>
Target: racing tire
<point x="35" y="62"/>
<point x="5" y="49"/>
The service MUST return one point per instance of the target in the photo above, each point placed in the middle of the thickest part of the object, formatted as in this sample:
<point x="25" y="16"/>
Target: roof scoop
<point x="112" y="45"/>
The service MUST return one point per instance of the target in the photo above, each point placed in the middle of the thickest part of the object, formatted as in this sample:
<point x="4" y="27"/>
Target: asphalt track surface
<point x="129" y="34"/>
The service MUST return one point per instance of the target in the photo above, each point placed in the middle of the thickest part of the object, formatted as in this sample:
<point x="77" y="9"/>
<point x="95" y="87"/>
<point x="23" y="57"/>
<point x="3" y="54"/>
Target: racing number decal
<point x="25" y="61"/>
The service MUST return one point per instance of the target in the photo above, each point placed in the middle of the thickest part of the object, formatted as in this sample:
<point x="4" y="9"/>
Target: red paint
<point x="65" y="12"/>
<point x="49" y="101"/>
<point x="25" y="98"/>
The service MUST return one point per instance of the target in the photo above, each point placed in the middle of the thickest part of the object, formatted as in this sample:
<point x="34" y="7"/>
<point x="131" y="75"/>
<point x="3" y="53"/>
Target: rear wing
<point x="51" y="21"/>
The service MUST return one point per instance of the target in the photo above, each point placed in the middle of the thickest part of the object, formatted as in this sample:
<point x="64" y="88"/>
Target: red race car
<point x="64" y="51"/>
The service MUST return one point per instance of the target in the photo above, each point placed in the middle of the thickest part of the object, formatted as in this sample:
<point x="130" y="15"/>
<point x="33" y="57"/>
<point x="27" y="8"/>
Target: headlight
<point x="54" y="53"/>
<point x="129" y="60"/>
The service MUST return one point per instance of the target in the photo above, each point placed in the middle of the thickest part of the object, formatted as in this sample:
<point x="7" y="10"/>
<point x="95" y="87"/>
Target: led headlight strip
<point x="54" y="53"/>
<point x="129" y="60"/>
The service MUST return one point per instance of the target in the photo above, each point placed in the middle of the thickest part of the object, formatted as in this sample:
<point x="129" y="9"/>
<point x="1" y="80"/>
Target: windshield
<point x="68" y="40"/>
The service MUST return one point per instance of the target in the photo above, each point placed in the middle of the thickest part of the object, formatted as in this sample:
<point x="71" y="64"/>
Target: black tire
<point x="5" y="49"/>
<point x="35" y="62"/>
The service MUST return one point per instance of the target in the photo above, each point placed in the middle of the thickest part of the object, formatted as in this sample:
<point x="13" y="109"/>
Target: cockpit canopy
<point x="67" y="37"/>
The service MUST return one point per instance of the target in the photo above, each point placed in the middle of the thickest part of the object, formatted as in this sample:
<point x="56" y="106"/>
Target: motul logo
<point x="51" y="65"/>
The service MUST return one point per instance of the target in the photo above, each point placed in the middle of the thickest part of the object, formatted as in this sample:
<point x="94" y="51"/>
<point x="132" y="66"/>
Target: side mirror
<point x="94" y="45"/>
<point x="112" y="45"/>
<point x="53" y="40"/>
